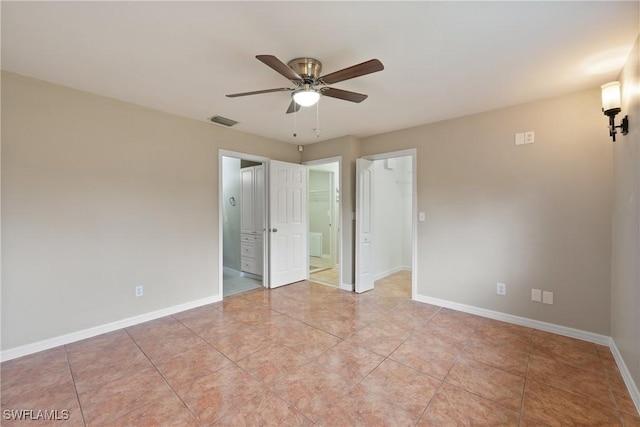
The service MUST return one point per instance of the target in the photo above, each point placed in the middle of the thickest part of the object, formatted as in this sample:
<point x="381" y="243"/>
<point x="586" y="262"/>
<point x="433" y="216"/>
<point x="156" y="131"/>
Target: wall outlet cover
<point x="547" y="297"/>
<point x="501" y="289"/>
<point x="529" y="137"/>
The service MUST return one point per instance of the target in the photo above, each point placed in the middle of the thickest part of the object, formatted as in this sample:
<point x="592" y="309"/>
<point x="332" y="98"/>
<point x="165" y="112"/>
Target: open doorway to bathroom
<point x="323" y="193"/>
<point x="243" y="210"/>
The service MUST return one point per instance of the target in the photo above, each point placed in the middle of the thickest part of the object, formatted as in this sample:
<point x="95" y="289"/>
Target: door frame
<point x="242" y="156"/>
<point x="413" y="153"/>
<point x="335" y="159"/>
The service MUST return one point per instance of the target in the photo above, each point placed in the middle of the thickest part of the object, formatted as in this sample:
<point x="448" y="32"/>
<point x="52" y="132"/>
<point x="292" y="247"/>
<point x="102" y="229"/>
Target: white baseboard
<point x="626" y="375"/>
<point x="35" y="347"/>
<point x="230" y="270"/>
<point x="388" y="273"/>
<point x="346" y="287"/>
<point x="251" y="275"/>
<point x="517" y="320"/>
<point x="547" y="327"/>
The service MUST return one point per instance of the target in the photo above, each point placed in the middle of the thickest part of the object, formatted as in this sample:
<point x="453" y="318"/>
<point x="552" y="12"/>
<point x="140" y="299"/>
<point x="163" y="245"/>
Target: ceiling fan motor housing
<point x="307" y="68"/>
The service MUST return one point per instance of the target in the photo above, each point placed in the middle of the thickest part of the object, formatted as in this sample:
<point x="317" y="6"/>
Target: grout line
<point x="75" y="387"/>
<point x="526" y="379"/>
<point x="163" y="377"/>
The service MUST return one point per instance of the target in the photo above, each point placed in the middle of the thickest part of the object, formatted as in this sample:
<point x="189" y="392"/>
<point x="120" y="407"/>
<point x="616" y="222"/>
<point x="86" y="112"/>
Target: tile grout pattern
<point x="309" y="354"/>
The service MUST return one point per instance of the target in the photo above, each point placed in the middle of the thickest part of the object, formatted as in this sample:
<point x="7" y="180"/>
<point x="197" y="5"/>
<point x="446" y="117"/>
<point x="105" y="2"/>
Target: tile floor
<point x="233" y="282"/>
<point x="329" y="276"/>
<point x="308" y="354"/>
<point x="322" y="270"/>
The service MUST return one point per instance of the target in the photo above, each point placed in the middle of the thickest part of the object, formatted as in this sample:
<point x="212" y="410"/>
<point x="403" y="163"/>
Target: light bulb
<point x="611" y="97"/>
<point x="306" y="97"/>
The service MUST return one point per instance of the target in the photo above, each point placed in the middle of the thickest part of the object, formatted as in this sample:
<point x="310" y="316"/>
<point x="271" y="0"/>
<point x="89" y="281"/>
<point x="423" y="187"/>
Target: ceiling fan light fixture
<point x="306" y="97"/>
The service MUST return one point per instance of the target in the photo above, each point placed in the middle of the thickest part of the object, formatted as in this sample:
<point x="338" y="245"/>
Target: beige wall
<point x="532" y="216"/>
<point x="625" y="291"/>
<point x="99" y="196"/>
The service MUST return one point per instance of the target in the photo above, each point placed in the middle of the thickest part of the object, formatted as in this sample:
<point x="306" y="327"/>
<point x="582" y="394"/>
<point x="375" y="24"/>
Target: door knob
<point x="274" y="230"/>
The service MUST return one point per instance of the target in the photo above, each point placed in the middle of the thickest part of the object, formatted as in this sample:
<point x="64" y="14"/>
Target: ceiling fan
<point x="304" y="73"/>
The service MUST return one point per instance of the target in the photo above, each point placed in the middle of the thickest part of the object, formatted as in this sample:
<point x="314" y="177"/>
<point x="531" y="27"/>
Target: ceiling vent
<point x="223" y="121"/>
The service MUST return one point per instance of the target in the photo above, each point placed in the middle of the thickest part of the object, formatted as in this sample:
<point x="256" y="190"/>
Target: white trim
<point x="391" y="154"/>
<point x="547" y="327"/>
<point x="626" y="375"/>
<point x="35" y="347"/>
<point x="242" y="156"/>
<point x="341" y="221"/>
<point x="517" y="320"/>
<point x="346" y="287"/>
<point x="389" y="272"/>
<point x="319" y="162"/>
<point x="413" y="152"/>
<point x="230" y="270"/>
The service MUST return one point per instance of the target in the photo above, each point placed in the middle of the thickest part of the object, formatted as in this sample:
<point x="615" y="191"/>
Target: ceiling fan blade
<point x="257" y="92"/>
<point x="343" y="94"/>
<point x="368" y="67"/>
<point x="293" y="107"/>
<point x="279" y="66"/>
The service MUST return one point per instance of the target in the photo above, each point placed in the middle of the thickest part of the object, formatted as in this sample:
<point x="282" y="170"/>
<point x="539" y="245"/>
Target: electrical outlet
<point x="529" y="137"/>
<point x="536" y="295"/>
<point x="501" y="289"/>
<point x="547" y="297"/>
<point x="139" y="291"/>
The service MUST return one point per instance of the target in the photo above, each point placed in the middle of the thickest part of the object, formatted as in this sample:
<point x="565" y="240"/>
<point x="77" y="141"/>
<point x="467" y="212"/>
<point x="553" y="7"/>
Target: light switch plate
<point x="536" y="295"/>
<point x="421" y="216"/>
<point x="547" y="297"/>
<point x="519" y="139"/>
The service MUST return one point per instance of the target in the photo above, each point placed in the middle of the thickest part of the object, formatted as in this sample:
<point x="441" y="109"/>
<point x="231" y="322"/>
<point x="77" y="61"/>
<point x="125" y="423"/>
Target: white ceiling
<point x="442" y="59"/>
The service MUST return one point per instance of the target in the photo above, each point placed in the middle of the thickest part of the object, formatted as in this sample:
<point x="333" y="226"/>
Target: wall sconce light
<point x="611" y="107"/>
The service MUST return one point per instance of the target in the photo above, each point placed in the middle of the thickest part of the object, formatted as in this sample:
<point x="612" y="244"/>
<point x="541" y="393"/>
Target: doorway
<point x="323" y="193"/>
<point x="243" y="219"/>
<point x="386" y="218"/>
<point x="268" y="205"/>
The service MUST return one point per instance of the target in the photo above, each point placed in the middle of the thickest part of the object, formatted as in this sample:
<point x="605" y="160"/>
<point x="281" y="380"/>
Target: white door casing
<point x="247" y="195"/>
<point x="364" y="253"/>
<point x="288" y="251"/>
<point x="261" y="213"/>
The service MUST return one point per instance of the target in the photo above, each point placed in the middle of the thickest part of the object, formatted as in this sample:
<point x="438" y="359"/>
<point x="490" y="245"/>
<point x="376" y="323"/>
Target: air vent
<point x="223" y="121"/>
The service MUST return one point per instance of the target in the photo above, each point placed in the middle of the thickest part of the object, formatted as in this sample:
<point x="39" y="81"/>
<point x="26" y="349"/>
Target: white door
<point x="288" y="258"/>
<point x="364" y="252"/>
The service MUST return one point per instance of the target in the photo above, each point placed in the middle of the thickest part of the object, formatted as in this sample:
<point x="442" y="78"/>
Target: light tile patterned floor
<point x="329" y="276"/>
<point x="309" y="354"/>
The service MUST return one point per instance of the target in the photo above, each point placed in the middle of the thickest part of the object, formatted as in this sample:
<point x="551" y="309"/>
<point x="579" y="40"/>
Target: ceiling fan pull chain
<point x="317" y="120"/>
<point x="295" y="123"/>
